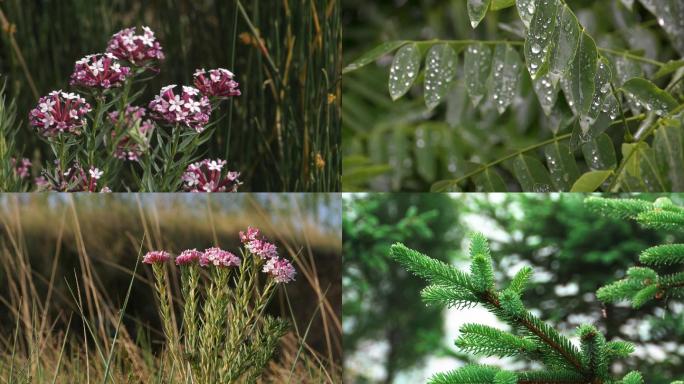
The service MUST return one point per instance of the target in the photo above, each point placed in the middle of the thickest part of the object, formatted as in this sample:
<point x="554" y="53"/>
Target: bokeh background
<point x="392" y="337"/>
<point x="54" y="244"/>
<point x="283" y="133"/>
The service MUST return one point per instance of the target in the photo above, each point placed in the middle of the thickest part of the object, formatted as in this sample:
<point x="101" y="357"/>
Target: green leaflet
<point x="641" y="165"/>
<point x="404" y="70"/>
<point x="501" y="4"/>
<point x="478" y="60"/>
<point x="526" y="11"/>
<point x="568" y="34"/>
<point x="440" y="70"/>
<point x="547" y="92"/>
<point x="477" y="9"/>
<point x="540" y="37"/>
<point x="503" y="83"/>
<point x="372" y="55"/>
<point x="668" y="68"/>
<point x="562" y="166"/>
<point x="648" y="94"/>
<point x="578" y="84"/>
<point x="531" y="174"/>
<point x="670" y="15"/>
<point x="445" y="186"/>
<point x="591" y="181"/>
<point x="490" y="181"/>
<point x="426" y="149"/>
<point x="602" y="82"/>
<point x="599" y="153"/>
<point x="669" y="151"/>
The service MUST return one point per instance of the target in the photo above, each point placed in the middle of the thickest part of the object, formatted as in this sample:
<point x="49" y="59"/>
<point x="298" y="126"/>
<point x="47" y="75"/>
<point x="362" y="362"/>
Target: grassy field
<point x="283" y="133"/>
<point x="67" y="263"/>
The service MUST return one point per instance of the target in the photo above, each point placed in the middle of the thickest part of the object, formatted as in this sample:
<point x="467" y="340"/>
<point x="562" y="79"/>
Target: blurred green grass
<point x="283" y="132"/>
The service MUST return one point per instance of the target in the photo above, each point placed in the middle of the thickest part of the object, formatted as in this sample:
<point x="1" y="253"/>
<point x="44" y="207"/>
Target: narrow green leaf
<point x="562" y="165"/>
<point x="578" y="84"/>
<point x="478" y="61"/>
<point x="489" y="181"/>
<point x="668" y="146"/>
<point x="668" y="68"/>
<point x="501" y="4"/>
<point x="652" y="97"/>
<point x="590" y="181"/>
<point x="477" y="9"/>
<point x="599" y="153"/>
<point x="506" y="68"/>
<point x="567" y="40"/>
<point x="602" y="82"/>
<point x="526" y="11"/>
<point x="539" y="42"/>
<point x="547" y="92"/>
<point x="372" y="55"/>
<point x="404" y="70"/>
<point x="531" y="174"/>
<point x="439" y="72"/>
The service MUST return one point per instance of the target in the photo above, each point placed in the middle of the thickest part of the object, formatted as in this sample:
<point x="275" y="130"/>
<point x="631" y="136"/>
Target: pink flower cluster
<point x="136" y="49"/>
<point x="100" y="70"/>
<point x="74" y="179"/>
<point x="59" y="112"/>
<point x="23" y="169"/>
<point x="189" y="256"/>
<point x="188" y="108"/>
<point x="136" y="133"/>
<point x="219" y="258"/>
<point x="207" y="176"/>
<point x="280" y="269"/>
<point x="153" y="257"/>
<point x="219" y="83"/>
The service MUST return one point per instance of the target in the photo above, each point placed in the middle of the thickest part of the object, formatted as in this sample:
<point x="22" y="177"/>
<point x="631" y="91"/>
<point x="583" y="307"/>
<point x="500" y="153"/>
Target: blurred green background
<point x="394" y="338"/>
<point x="402" y="146"/>
<point x="282" y="133"/>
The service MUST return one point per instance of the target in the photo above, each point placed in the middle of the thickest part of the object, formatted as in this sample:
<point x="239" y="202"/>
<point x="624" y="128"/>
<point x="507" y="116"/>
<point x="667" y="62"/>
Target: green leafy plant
<point x="661" y="276"/>
<point x="582" y="88"/>
<point x="530" y="337"/>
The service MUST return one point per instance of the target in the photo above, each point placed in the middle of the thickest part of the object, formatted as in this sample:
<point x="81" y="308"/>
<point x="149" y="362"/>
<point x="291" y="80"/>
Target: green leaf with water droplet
<point x="477" y="9"/>
<point x="591" y="181"/>
<point x="568" y="33"/>
<point x="478" y="61"/>
<point x="525" y="11"/>
<point x="579" y="81"/>
<point x="599" y="153"/>
<point x="440" y="70"/>
<point x="506" y="69"/>
<point x="404" y="70"/>
<point x="648" y="94"/>
<point x="562" y="165"/>
<point x="531" y="174"/>
<point x="373" y="55"/>
<point x="489" y="181"/>
<point x="670" y="16"/>
<point x="547" y="92"/>
<point x="540" y="37"/>
<point x="602" y="82"/>
<point x="640" y="163"/>
<point x="501" y="4"/>
<point x="669" y="149"/>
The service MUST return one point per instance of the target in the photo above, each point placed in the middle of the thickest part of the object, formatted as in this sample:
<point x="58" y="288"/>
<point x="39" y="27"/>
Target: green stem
<point x="92" y="134"/>
<point x="165" y="310"/>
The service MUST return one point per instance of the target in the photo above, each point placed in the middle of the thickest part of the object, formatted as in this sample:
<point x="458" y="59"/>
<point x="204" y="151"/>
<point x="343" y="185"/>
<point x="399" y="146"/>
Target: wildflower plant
<point x="558" y="358"/>
<point x="225" y="336"/>
<point x="99" y="126"/>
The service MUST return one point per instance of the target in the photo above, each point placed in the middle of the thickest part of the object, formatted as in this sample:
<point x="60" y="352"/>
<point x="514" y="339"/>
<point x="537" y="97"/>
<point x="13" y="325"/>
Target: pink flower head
<point x="218" y="257"/>
<point x="189" y="256"/>
<point x="59" y="112"/>
<point x="74" y="179"/>
<point x="217" y="83"/>
<point x="188" y="108"/>
<point x="281" y="270"/>
<point x="208" y="176"/>
<point x="101" y="70"/>
<point x="135" y="139"/>
<point x="139" y="50"/>
<point x="23" y="169"/>
<point x="153" y="257"/>
<point x="258" y="246"/>
<point x="251" y="235"/>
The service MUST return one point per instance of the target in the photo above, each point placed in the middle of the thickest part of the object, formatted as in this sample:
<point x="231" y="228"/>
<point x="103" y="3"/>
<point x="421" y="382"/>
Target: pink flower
<point x="73" y="179"/>
<point x="59" y="112"/>
<point x="100" y="70"/>
<point x="281" y="270"/>
<point x="23" y="170"/>
<point x="207" y="176"/>
<point x="189" y="256"/>
<point x="219" y="83"/>
<point x="218" y="257"/>
<point x="258" y="246"/>
<point x="251" y="234"/>
<point x="187" y="108"/>
<point x="135" y="139"/>
<point x="156" y="257"/>
<point x="139" y="50"/>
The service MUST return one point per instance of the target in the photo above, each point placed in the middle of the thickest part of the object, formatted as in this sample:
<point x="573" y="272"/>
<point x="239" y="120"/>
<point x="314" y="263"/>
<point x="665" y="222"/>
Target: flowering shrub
<point x="228" y="339"/>
<point x="159" y="143"/>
